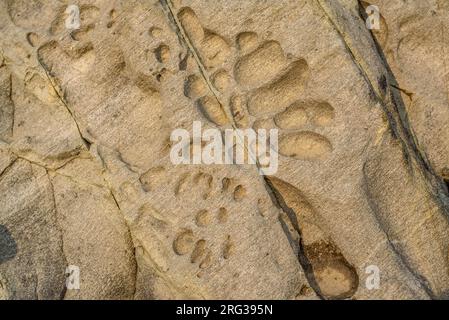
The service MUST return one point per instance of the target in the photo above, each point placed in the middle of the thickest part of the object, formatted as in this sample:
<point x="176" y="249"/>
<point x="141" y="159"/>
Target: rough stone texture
<point x="416" y="46"/>
<point x="86" y="177"/>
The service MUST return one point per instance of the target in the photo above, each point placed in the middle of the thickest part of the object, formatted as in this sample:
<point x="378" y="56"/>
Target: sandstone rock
<point x="95" y="237"/>
<point x="32" y="261"/>
<point x="86" y="178"/>
<point x="414" y="43"/>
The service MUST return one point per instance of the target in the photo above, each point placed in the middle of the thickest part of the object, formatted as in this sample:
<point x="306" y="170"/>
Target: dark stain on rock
<point x="383" y="84"/>
<point x="8" y="246"/>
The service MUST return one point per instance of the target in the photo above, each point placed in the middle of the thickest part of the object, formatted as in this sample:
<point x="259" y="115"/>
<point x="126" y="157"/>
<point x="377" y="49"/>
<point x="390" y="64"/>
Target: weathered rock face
<point x="414" y="42"/>
<point x="86" y="178"/>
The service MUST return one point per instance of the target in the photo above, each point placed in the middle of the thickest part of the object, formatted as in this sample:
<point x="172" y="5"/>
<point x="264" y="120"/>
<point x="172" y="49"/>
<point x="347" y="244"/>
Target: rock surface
<point x="86" y="178"/>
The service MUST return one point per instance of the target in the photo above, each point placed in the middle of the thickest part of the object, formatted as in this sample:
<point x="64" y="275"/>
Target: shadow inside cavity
<point x="8" y="246"/>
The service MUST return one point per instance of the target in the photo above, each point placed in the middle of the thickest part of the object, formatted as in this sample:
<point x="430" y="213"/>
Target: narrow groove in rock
<point x="433" y="180"/>
<point x="302" y="258"/>
<point x="58" y="223"/>
<point x="168" y="8"/>
<point x="86" y="142"/>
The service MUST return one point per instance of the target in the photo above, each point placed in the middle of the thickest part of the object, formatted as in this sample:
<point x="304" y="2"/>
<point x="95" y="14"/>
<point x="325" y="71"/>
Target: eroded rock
<point x="86" y="178"/>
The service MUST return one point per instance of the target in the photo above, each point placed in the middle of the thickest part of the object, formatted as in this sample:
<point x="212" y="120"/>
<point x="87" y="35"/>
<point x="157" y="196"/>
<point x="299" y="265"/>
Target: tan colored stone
<point x="85" y="171"/>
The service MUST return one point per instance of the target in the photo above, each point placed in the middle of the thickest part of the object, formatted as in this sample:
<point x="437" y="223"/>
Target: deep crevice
<point x="279" y="202"/>
<point x="13" y="106"/>
<point x="434" y="181"/>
